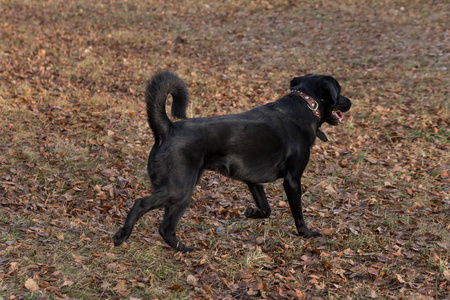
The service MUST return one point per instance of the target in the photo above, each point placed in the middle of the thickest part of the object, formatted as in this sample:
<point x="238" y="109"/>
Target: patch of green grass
<point x="360" y="157"/>
<point x="364" y="241"/>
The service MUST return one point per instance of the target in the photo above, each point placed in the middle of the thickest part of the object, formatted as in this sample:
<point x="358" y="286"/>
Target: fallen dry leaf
<point x="67" y="283"/>
<point x="301" y="295"/>
<point x="31" y="285"/>
<point x="446" y="273"/>
<point x="372" y="294"/>
<point x="260" y="240"/>
<point x="191" y="279"/>
<point x="121" y="287"/>
<point x="399" y="278"/>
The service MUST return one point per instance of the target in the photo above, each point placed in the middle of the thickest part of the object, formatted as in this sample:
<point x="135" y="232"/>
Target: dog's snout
<point x="345" y="103"/>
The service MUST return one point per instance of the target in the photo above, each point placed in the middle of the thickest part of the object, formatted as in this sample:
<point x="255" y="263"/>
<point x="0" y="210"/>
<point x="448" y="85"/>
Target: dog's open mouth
<point x="338" y="115"/>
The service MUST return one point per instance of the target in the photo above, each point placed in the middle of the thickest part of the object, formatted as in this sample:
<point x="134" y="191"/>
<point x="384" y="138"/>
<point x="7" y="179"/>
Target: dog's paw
<point x="186" y="249"/>
<point x="256" y="213"/>
<point x="308" y="233"/>
<point x="120" y="237"/>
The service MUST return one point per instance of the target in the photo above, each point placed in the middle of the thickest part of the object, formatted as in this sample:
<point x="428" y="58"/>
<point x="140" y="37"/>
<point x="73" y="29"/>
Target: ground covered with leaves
<point x="74" y="143"/>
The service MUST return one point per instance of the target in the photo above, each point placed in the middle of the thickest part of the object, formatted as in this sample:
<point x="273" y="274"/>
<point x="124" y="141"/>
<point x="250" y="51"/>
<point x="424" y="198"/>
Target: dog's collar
<point x="312" y="104"/>
<point x="314" y="107"/>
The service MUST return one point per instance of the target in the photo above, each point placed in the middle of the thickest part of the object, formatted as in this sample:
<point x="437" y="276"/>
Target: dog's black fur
<point x="261" y="145"/>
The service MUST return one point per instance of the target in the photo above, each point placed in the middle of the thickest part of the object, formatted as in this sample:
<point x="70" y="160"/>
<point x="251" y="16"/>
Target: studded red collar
<point x="312" y="104"/>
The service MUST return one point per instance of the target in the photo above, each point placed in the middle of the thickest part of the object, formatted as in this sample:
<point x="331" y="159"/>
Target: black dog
<point x="261" y="145"/>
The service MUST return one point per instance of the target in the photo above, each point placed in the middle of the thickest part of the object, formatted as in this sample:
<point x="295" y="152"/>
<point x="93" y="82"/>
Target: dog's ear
<point x="331" y="89"/>
<point x="299" y="80"/>
<point x="295" y="81"/>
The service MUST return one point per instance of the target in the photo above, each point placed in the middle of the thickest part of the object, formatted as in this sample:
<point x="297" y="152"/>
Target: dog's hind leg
<point x="263" y="208"/>
<point x="172" y="216"/>
<point x="183" y="183"/>
<point x="140" y="207"/>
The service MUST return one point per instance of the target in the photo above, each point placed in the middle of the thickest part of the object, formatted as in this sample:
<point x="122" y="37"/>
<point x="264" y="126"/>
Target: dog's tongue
<point x="338" y="114"/>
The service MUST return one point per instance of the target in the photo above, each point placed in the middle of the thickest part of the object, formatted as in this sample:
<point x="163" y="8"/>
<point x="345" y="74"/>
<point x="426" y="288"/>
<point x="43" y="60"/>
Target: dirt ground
<point x="74" y="143"/>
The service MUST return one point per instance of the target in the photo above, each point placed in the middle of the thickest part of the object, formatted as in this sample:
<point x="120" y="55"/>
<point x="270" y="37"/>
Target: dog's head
<point x="327" y="92"/>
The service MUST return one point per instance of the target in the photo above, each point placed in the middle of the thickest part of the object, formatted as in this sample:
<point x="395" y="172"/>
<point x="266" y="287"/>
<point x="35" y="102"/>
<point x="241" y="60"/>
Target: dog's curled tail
<point x="158" y="88"/>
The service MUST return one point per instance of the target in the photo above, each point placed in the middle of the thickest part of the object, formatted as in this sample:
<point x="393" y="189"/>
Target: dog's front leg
<point x="293" y="190"/>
